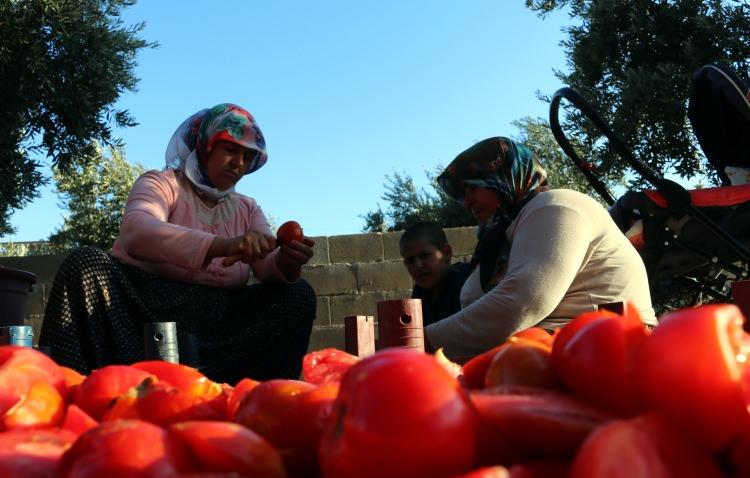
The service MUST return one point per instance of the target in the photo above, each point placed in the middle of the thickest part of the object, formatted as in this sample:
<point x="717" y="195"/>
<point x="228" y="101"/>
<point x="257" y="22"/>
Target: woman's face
<point x="227" y="163"/>
<point x="482" y="202"/>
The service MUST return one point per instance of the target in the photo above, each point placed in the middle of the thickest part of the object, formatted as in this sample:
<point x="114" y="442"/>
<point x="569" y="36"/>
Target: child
<point x="427" y="256"/>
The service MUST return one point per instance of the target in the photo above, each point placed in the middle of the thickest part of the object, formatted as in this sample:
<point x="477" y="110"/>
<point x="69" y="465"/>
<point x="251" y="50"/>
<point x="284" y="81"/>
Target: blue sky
<point x="344" y="92"/>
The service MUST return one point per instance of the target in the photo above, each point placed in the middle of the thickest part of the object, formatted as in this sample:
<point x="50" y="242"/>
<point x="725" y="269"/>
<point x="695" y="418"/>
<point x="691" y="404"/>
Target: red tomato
<point x="159" y="403"/>
<point x="540" y="469"/>
<point x="595" y="359"/>
<point x="125" y="448"/>
<point x="95" y="393"/>
<point x="476" y="368"/>
<point x="239" y="392"/>
<point x="77" y="421"/>
<point x="229" y="448"/>
<point x="42" y="407"/>
<point x="521" y="423"/>
<point x="486" y="472"/>
<point x="399" y="414"/>
<point x="645" y="446"/>
<point x="188" y="380"/>
<point x="308" y="418"/>
<point x="327" y="365"/>
<point x="535" y="333"/>
<point x="20" y="368"/>
<point x="265" y="409"/>
<point x="288" y="232"/>
<point x="690" y="368"/>
<point x="523" y="362"/>
<point x="33" y="453"/>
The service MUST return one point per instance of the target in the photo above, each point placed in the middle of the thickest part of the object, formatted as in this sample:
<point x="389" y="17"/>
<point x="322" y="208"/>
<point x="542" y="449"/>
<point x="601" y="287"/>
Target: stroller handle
<point x="675" y="194"/>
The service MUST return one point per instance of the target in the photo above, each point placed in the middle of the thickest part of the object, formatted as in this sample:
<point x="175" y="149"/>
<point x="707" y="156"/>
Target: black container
<point x="21" y="335"/>
<point x="15" y="286"/>
<point x="160" y="341"/>
<point x="188" y="345"/>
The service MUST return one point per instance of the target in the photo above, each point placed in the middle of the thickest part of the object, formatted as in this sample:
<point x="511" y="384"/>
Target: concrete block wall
<point x="350" y="274"/>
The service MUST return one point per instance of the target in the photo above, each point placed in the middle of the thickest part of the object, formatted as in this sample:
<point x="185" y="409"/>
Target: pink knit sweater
<point x="167" y="230"/>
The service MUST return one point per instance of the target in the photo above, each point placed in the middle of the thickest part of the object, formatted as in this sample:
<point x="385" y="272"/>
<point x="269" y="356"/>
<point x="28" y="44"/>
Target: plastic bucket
<point x="15" y="286"/>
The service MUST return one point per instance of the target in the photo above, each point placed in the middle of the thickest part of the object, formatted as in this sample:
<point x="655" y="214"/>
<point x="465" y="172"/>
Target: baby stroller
<point x="694" y="243"/>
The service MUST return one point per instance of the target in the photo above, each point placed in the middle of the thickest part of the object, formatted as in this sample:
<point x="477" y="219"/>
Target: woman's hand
<point x="245" y="248"/>
<point x="293" y="256"/>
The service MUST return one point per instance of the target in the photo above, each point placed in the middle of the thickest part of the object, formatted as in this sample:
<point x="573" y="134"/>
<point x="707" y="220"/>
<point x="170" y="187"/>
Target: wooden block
<point x="400" y="324"/>
<point x="359" y="331"/>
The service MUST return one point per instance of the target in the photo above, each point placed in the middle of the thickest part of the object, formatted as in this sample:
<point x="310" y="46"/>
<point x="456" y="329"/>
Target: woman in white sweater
<point x="543" y="257"/>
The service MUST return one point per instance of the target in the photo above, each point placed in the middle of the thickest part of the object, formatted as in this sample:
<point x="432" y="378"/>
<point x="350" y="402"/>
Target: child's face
<point x="426" y="263"/>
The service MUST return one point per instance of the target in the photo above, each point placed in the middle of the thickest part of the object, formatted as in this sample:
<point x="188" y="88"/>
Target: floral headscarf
<point x="512" y="171"/>
<point x="196" y="136"/>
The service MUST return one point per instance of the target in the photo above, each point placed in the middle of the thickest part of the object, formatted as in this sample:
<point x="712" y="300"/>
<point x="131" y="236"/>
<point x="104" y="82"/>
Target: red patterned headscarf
<point x="193" y="141"/>
<point x="511" y="170"/>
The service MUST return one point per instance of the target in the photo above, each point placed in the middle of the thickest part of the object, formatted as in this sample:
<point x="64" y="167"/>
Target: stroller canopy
<point x="719" y="111"/>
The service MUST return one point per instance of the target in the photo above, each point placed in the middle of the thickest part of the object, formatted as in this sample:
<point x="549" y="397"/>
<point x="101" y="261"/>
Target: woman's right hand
<point x="245" y="248"/>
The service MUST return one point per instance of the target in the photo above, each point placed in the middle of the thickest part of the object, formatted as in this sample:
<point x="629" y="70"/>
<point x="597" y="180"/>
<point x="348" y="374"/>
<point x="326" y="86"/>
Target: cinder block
<point x="355" y="248"/>
<point x="397" y="294"/>
<point x="327" y="336"/>
<point x="359" y="304"/>
<point x="463" y="240"/>
<point x="322" y="311"/>
<point x="332" y="279"/>
<point x="373" y="276"/>
<point x="320" y="252"/>
<point x="391" y="249"/>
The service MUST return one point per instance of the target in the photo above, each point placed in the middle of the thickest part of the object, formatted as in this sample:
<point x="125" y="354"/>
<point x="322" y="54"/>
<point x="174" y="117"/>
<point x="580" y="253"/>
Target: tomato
<point x="451" y="367"/>
<point x="125" y="448"/>
<point x="20" y="368"/>
<point x="399" y="414"/>
<point x="644" y="446"/>
<point x="327" y="365"/>
<point x="239" y="392"/>
<point x="486" y="472"/>
<point x="311" y="412"/>
<point x="159" y="403"/>
<point x="41" y="407"/>
<point x="535" y="333"/>
<point x="596" y="361"/>
<point x="691" y="367"/>
<point x="475" y="369"/>
<point x="77" y="421"/>
<point x="33" y="453"/>
<point x="263" y="410"/>
<point x="95" y="393"/>
<point x="521" y="423"/>
<point x="540" y="469"/>
<point x="188" y="380"/>
<point x="288" y="232"/>
<point x="522" y="362"/>
<point x="229" y="448"/>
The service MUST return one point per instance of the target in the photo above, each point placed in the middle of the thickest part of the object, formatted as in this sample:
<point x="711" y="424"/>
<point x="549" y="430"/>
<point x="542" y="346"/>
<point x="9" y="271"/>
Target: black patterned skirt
<point x="98" y="306"/>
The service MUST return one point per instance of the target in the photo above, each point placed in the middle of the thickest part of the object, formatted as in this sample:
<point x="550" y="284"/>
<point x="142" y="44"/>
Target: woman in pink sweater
<point x="188" y="244"/>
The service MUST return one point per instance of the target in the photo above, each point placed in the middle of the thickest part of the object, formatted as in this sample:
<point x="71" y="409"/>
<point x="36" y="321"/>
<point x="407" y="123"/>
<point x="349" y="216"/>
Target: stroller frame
<point x="677" y="197"/>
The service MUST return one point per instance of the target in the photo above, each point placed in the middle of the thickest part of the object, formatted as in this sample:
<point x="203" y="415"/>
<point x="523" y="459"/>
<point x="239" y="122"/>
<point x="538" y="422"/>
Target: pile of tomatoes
<point x="602" y="397"/>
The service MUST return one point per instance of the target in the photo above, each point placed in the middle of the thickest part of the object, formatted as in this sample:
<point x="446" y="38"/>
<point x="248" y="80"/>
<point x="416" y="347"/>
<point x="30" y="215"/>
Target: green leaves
<point x="633" y="60"/>
<point x="94" y="192"/>
<point x="63" y="65"/>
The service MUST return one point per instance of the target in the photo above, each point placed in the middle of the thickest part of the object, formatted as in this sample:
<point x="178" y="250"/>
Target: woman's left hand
<point x="293" y="256"/>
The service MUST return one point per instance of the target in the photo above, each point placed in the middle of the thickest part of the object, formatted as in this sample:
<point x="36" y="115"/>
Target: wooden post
<point x="400" y="324"/>
<point x="359" y="333"/>
<point x="741" y="296"/>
